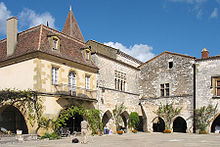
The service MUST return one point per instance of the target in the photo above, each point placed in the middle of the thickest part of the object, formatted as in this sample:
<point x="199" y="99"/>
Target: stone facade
<point x="207" y="74"/>
<point x="173" y="74"/>
<point x="110" y="63"/>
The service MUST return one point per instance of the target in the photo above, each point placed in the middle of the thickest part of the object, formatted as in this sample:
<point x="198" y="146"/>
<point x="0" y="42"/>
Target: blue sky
<point x="141" y="28"/>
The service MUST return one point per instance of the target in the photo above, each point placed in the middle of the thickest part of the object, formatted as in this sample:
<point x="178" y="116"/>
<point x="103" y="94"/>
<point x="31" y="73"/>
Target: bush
<point x="51" y="136"/>
<point x="133" y="120"/>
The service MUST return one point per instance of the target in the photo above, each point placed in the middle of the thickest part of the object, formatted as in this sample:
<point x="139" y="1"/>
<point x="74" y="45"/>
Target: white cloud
<point x="214" y="13"/>
<point x="190" y="1"/>
<point x="30" y="18"/>
<point x="26" y="18"/>
<point x="4" y="15"/>
<point x="142" y="52"/>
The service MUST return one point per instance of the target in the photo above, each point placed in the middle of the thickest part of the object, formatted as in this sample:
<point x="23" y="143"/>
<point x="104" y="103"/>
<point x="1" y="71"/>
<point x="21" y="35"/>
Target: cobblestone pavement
<point x="129" y="140"/>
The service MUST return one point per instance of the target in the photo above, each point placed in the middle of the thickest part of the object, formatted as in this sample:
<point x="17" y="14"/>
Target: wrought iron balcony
<point x="66" y="90"/>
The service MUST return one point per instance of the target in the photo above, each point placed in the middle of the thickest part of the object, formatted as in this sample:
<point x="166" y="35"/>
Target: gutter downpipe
<point x="194" y="98"/>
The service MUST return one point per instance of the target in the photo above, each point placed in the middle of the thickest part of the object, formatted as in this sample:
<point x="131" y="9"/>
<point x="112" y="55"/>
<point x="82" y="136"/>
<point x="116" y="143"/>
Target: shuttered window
<point x="87" y="82"/>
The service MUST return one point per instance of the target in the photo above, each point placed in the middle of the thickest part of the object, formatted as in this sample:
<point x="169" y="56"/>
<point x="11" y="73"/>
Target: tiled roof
<point x="209" y="58"/>
<point x="167" y="52"/>
<point x="71" y="27"/>
<point x="36" y="39"/>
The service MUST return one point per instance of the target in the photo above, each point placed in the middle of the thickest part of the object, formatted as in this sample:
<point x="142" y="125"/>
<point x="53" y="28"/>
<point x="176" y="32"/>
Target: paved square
<point x="131" y="140"/>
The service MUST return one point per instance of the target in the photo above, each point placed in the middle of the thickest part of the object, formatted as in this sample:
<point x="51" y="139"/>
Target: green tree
<point x="168" y="112"/>
<point x="117" y="112"/>
<point x="203" y="116"/>
<point x="133" y="120"/>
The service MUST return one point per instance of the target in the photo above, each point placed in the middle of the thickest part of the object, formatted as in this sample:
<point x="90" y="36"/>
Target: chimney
<point x="205" y="53"/>
<point x="11" y="35"/>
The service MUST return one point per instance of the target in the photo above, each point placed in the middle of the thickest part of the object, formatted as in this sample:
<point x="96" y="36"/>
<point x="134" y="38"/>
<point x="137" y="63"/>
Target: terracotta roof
<point x="167" y="52"/>
<point x="113" y="50"/>
<point x="36" y="39"/>
<point x="209" y="58"/>
<point x="71" y="27"/>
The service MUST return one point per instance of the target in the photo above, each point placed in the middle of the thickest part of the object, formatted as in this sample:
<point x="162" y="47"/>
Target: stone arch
<point x="12" y="119"/>
<point x="179" y="125"/>
<point x="216" y="124"/>
<point x="125" y="117"/>
<point x="158" y="124"/>
<point x="106" y="117"/>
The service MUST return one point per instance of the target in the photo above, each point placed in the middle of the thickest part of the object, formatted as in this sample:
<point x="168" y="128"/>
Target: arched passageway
<point x="159" y="125"/>
<point x="216" y="125"/>
<point x="106" y="117"/>
<point x="124" y="117"/>
<point x="12" y="119"/>
<point x="74" y="123"/>
<point x="179" y="125"/>
<point x="140" y="125"/>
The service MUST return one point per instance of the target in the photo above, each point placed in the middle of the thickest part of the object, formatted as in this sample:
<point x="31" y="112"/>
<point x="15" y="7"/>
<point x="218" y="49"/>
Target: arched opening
<point x="140" y="125"/>
<point x="124" y="117"/>
<point x="215" y="128"/>
<point x="158" y="125"/>
<point x="179" y="125"/>
<point x="73" y="123"/>
<point x="106" y="117"/>
<point x="11" y="119"/>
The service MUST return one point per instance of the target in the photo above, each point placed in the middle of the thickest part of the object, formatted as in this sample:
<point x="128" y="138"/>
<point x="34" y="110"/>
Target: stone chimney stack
<point x="11" y="35"/>
<point x="205" y="53"/>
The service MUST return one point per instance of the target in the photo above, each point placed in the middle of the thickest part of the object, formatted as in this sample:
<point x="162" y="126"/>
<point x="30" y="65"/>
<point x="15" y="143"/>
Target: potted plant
<point x="167" y="131"/>
<point x="133" y="121"/>
<point x="120" y="132"/>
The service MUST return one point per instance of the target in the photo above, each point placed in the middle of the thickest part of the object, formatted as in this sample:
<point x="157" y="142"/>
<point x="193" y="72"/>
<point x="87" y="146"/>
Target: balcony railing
<point x="73" y="91"/>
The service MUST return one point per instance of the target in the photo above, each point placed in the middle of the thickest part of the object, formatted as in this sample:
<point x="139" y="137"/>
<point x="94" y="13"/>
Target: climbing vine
<point x="92" y="115"/>
<point x="27" y="99"/>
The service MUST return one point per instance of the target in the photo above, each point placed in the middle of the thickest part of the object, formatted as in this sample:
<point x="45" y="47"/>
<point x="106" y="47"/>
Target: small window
<point x="87" y="82"/>
<point x="218" y="88"/>
<point x="72" y="81"/>
<point x="171" y="64"/>
<point x="167" y="89"/>
<point x="87" y="55"/>
<point x="54" y="76"/>
<point x="162" y="89"/>
<point x="55" y="43"/>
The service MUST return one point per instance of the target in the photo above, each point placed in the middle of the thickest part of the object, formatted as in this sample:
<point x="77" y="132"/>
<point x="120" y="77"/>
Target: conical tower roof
<point x="71" y="27"/>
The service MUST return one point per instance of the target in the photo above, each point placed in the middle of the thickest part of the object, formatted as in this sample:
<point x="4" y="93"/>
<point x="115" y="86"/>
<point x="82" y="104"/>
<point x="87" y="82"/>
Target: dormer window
<point x="55" y="43"/>
<point x="87" y="55"/>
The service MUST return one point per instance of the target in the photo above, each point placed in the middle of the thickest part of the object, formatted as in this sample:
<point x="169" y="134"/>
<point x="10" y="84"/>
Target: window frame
<point x="217" y="88"/>
<point x="87" y="82"/>
<point x="72" y="81"/>
<point x="54" y="75"/>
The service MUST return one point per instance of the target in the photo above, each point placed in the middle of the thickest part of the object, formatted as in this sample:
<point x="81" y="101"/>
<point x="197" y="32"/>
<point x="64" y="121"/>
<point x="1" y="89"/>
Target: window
<point x="167" y="89"/>
<point x="87" y="55"/>
<point x="171" y="64"/>
<point x="55" y="43"/>
<point x="72" y="81"/>
<point x="218" y="88"/>
<point x="161" y="89"/>
<point x="164" y="89"/>
<point x="54" y="76"/>
<point x="120" y="80"/>
<point x="87" y="82"/>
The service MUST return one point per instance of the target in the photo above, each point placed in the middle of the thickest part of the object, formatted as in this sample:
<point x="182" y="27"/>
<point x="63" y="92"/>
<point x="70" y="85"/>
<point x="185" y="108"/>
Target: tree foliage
<point x="168" y="112"/>
<point x="133" y="119"/>
<point x="117" y="112"/>
<point x="203" y="116"/>
<point x="92" y="115"/>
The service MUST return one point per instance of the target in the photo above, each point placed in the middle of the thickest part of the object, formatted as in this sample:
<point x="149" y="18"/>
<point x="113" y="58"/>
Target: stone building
<point x="117" y="82"/>
<point x="208" y="85"/>
<point x="56" y="65"/>
<point x="167" y="78"/>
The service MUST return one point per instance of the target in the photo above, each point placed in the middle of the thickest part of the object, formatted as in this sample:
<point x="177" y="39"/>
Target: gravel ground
<point x="128" y="140"/>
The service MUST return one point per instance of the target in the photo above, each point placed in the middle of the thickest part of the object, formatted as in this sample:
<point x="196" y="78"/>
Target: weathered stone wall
<point x="180" y="79"/>
<point x="205" y="84"/>
<point x="108" y="96"/>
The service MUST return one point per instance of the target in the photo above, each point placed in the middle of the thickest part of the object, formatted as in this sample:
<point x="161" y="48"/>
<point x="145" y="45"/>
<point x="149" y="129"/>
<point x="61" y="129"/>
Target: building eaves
<point x="209" y="58"/>
<point x="167" y="52"/>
